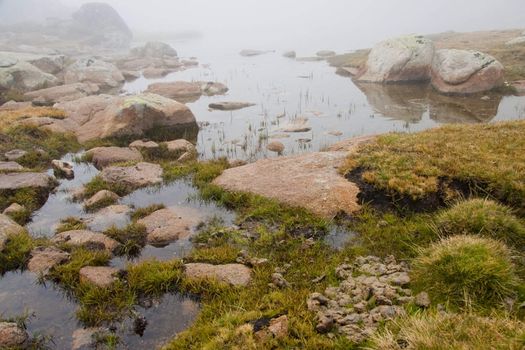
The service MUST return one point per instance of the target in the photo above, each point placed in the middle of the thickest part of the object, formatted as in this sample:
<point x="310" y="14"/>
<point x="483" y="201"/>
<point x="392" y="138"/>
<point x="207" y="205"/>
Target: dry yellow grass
<point x="9" y="117"/>
<point x="440" y="331"/>
<point x="490" y="155"/>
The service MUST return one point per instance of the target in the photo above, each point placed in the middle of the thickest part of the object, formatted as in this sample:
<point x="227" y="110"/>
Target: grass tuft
<point x="464" y="271"/>
<point x="132" y="238"/>
<point x="70" y="224"/>
<point x="16" y="252"/>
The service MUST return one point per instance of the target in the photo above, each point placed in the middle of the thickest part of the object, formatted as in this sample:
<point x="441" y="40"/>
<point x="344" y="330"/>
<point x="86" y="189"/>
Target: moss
<point x="434" y="330"/>
<point x="16" y="252"/>
<point x="488" y="156"/>
<point x="482" y="217"/>
<point x="132" y="238"/>
<point x="464" y="271"/>
<point x="70" y="224"/>
<point x="141" y="213"/>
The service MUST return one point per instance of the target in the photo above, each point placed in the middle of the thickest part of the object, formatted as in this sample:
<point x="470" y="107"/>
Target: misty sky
<point x="332" y="23"/>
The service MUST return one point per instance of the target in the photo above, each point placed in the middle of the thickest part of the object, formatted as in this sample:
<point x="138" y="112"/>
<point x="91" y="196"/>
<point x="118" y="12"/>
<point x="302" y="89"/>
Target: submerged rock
<point x="100" y="276"/>
<point x="12" y="336"/>
<point x="404" y="59"/>
<point x="93" y="71"/>
<point x="168" y="225"/>
<point x="88" y="338"/>
<point x="289" y="54"/>
<point x="230" y="106"/>
<point x="105" y="156"/>
<point x="465" y="72"/>
<point x="111" y="216"/>
<point x="44" y="259"/>
<point x="310" y="180"/>
<point x="85" y="238"/>
<point x="250" y="53"/>
<point x="133" y="177"/>
<point x="233" y="274"/>
<point x="299" y="124"/>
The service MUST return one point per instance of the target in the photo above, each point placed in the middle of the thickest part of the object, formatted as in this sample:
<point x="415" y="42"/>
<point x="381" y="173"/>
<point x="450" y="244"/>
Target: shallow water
<point x="311" y="89"/>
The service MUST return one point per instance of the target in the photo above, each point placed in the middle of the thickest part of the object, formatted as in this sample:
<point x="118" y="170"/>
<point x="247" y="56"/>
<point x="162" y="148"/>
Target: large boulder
<point x="62" y="93"/>
<point x="7" y="228"/>
<point x="404" y="59"/>
<point x="101" y="25"/>
<point x="91" y="70"/>
<point x="104" y="156"/>
<point x="140" y="115"/>
<point x="465" y="72"/>
<point x="132" y="177"/>
<point x="311" y="181"/>
<point x="23" y="76"/>
<point x="154" y="49"/>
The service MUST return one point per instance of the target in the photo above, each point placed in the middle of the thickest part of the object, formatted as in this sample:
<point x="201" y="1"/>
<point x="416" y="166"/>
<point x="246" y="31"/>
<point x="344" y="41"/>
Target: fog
<point x="281" y="24"/>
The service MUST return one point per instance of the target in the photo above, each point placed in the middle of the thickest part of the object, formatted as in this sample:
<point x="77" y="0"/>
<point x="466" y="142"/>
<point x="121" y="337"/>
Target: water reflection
<point x="411" y="102"/>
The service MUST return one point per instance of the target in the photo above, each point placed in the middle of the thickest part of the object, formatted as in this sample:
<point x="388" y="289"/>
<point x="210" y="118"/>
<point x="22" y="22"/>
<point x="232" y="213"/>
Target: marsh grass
<point x="16" y="252"/>
<point x="70" y="224"/>
<point x="490" y="157"/>
<point x="10" y="117"/>
<point x="466" y="271"/>
<point x="482" y="217"/>
<point x="98" y="184"/>
<point x="439" y="331"/>
<point x="132" y="238"/>
<point x="154" y="278"/>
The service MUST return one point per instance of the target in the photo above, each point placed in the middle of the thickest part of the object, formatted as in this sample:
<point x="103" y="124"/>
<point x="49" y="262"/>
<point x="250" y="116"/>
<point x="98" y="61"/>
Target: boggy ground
<point x="466" y="243"/>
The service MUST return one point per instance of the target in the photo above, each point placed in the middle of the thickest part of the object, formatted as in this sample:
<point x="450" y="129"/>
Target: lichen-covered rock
<point x="93" y="71"/>
<point x="465" y="72"/>
<point x="88" y="239"/>
<point x="233" y="274"/>
<point x="24" y="76"/>
<point x="105" y="156"/>
<point x="133" y="177"/>
<point x="404" y="59"/>
<point x="168" y="225"/>
<point x="44" y="259"/>
<point x="100" y="276"/>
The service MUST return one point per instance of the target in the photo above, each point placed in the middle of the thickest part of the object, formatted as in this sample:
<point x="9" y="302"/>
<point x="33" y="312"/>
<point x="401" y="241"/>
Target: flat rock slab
<point x="311" y="181"/>
<point x="168" y="225"/>
<point x="10" y="167"/>
<point x="7" y="227"/>
<point x="100" y="276"/>
<point x="230" y="106"/>
<point x="16" y="181"/>
<point x="44" y="259"/>
<point x="105" y="156"/>
<point x="85" y="238"/>
<point x="136" y="176"/>
<point x="233" y="274"/>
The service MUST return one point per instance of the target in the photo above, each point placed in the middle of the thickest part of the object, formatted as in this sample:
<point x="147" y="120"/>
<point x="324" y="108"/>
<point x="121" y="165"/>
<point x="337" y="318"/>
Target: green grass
<point x="16" y="252"/>
<point x="97" y="184"/>
<point x="132" y="238"/>
<point x="141" y="213"/>
<point x="154" y="278"/>
<point x="440" y="331"/>
<point x="482" y="217"/>
<point x="466" y="271"/>
<point x="489" y="157"/>
<point x="70" y="224"/>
